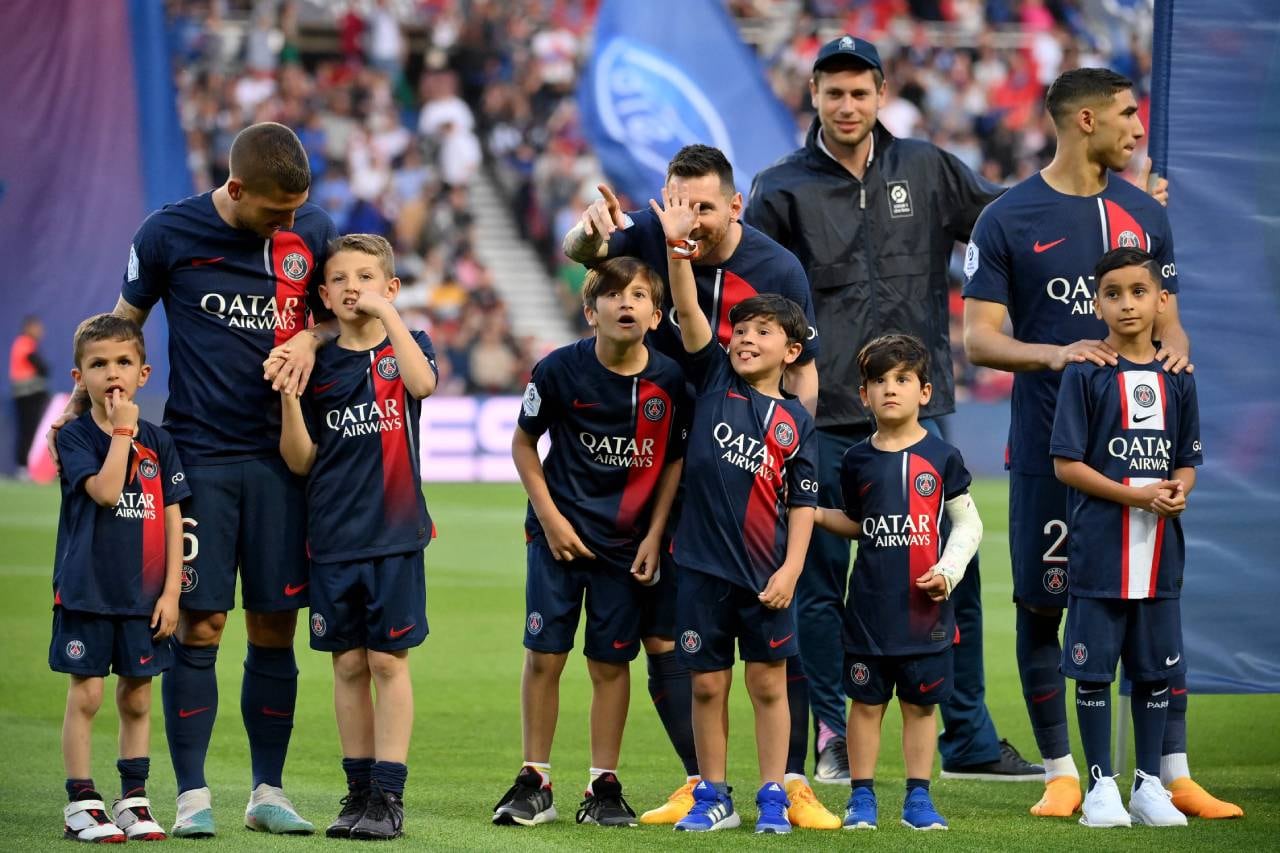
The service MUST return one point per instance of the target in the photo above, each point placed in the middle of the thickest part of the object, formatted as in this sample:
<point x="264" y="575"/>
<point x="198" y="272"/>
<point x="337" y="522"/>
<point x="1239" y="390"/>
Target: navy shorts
<point x="712" y="612"/>
<point x="553" y="595"/>
<point x="379" y="604"/>
<point x="658" y="603"/>
<point x="91" y="645"/>
<point x="1145" y="633"/>
<point x="251" y="515"/>
<point x="1038" y="539"/>
<point x="920" y="679"/>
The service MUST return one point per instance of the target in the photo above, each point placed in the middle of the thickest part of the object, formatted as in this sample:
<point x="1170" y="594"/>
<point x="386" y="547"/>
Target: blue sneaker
<point x="918" y="811"/>
<point x="860" y="812"/>
<point x="711" y="811"/>
<point x="772" y="804"/>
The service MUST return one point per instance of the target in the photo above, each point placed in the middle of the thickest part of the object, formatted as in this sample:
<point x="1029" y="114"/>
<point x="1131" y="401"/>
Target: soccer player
<point x="116" y="574"/>
<point x="598" y="505"/>
<point x="1126" y="440"/>
<point x="744" y="526"/>
<point x="899" y="622"/>
<point x="1030" y="261"/>
<point x="232" y="267"/>
<point x="354" y="435"/>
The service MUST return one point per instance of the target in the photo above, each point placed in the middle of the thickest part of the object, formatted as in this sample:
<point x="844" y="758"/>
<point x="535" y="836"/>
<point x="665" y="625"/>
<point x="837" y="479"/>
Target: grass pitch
<point x="466" y="746"/>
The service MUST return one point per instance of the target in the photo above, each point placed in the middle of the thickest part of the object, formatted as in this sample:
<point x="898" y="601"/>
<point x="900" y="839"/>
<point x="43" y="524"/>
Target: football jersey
<point x="1135" y="424"/>
<point x="364" y="492"/>
<point x="898" y="497"/>
<point x="229" y="297"/>
<point x="111" y="560"/>
<point x="611" y="436"/>
<point x="758" y="265"/>
<point x="1034" y="250"/>
<point x="750" y="458"/>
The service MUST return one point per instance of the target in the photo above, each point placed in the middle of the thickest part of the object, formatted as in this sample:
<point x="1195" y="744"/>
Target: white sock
<point x="544" y="770"/>
<point x="595" y="773"/>
<point x="1063" y="766"/>
<point x="1173" y="766"/>
<point x="791" y="777"/>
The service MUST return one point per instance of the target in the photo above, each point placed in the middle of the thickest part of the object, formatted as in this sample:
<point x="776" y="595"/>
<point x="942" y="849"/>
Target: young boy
<point x="745" y="525"/>
<point x="1126" y="440"/>
<point x="117" y="574"/>
<point x="899" y="623"/>
<point x="598" y="506"/>
<point x="354" y="434"/>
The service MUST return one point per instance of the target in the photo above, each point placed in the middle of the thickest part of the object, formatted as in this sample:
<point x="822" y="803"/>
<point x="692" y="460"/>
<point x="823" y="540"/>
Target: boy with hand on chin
<point x="354" y="434"/>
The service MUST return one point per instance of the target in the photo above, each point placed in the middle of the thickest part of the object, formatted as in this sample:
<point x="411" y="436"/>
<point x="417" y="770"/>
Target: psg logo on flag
<point x="148" y="468"/>
<point x="295" y="266"/>
<point x="1128" y="240"/>
<point x="318" y="625"/>
<point x="784" y="435"/>
<point x="388" y="368"/>
<point x="690" y="641"/>
<point x="859" y="673"/>
<point x="926" y="484"/>
<point x="1055" y="580"/>
<point x="655" y="408"/>
<point x="534" y="624"/>
<point x="1144" y="395"/>
<point x="75" y="650"/>
<point x="189" y="579"/>
<point x="1079" y="654"/>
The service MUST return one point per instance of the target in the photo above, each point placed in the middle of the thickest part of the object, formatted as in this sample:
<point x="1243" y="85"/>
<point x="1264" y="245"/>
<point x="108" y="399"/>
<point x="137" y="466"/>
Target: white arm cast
<point x="962" y="544"/>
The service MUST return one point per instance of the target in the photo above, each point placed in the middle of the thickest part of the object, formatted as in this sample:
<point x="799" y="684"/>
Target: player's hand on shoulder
<point x="1098" y="352"/>
<point x="677" y="215"/>
<point x="288" y="366"/>
<point x="164" y="618"/>
<point x="933" y="584"/>
<point x="1174" y="360"/>
<point x="121" y="411"/>
<point x="563" y="540"/>
<point x="781" y="589"/>
<point x="51" y="437"/>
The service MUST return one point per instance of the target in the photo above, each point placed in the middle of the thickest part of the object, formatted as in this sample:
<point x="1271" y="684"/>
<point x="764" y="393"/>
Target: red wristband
<point x="127" y="432"/>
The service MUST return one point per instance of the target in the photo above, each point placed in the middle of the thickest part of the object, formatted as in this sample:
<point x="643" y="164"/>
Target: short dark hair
<point x="887" y="352"/>
<point x="1079" y="86"/>
<point x="695" y="161"/>
<point x="1126" y="257"/>
<point x="848" y="63"/>
<point x="374" y="245"/>
<point x="268" y="156"/>
<point x="107" y="327"/>
<point x="617" y="273"/>
<point x="776" y="307"/>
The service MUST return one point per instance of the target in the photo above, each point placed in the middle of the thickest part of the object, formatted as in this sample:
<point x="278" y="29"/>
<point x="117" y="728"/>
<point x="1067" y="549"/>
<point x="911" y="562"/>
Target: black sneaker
<point x="1009" y="767"/>
<point x="353" y="806"/>
<point x="833" y="763"/>
<point x="527" y="802"/>
<point x="383" y="816"/>
<point x="604" y="804"/>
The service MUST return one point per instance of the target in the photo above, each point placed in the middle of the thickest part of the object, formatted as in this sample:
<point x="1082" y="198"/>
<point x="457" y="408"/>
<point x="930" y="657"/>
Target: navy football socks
<point x="81" y="789"/>
<point x="133" y="775"/>
<point x="189" y="691"/>
<point x="1175" y="724"/>
<point x="912" y="784"/>
<point x="1043" y="686"/>
<point x="359" y="771"/>
<point x="798" y="702"/>
<point x="1150" y="705"/>
<point x="390" y="776"/>
<point x="1093" y="711"/>
<point x="267" y="697"/>
<point x="671" y="690"/>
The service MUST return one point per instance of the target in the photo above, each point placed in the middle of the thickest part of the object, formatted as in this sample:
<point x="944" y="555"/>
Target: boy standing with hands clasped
<point x="117" y="574"/>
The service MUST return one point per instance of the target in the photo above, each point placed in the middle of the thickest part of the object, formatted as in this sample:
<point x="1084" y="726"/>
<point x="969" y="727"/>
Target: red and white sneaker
<point x="133" y="815"/>
<point x="86" y="820"/>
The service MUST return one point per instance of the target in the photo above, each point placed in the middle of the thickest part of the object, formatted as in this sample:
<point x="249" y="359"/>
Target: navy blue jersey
<point x="1033" y="250"/>
<point x="758" y="265"/>
<point x="1135" y="424"/>
<point x="111" y="560"/>
<point x="898" y="498"/>
<point x="364" y="493"/>
<point x="611" y="435"/>
<point x="750" y="458"/>
<point x="229" y="297"/>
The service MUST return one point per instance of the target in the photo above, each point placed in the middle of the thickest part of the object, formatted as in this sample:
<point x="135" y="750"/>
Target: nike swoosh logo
<point x="320" y="389"/>
<point x="291" y="590"/>
<point x="397" y="633"/>
<point x="1037" y="698"/>
<point x="200" y="262"/>
<point x="1176" y="692"/>
<point x="1087" y="692"/>
<point x="272" y="712"/>
<point x="578" y="404"/>
<point x="1044" y="247"/>
<point x="1160" y="692"/>
<point x="866" y="487"/>
<point x="146" y="660"/>
<point x="184" y="713"/>
<point x="1138" y="420"/>
<point x="619" y="644"/>
<point x="733" y="395"/>
<point x="924" y="689"/>
<point x="773" y="644"/>
<point x="1171" y="661"/>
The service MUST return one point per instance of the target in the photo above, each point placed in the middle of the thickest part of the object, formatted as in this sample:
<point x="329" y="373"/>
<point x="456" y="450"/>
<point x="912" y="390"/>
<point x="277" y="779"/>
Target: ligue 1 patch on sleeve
<point x="970" y="259"/>
<point x="133" y="263"/>
<point x="899" y="199"/>
<point x="532" y="402"/>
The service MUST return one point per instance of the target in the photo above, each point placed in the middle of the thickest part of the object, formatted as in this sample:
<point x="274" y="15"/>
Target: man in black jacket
<point x="873" y="219"/>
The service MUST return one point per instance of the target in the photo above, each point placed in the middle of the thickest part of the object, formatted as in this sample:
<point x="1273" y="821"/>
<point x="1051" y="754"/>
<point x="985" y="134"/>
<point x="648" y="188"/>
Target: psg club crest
<point x="189" y="578"/>
<point x="859" y="673"/>
<point x="1144" y="395"/>
<point x="295" y="266"/>
<point x="388" y="368"/>
<point x="318" y="625"/>
<point x="655" y="408"/>
<point x="1128" y="240"/>
<point x="75" y="650"/>
<point x="1079" y="654"/>
<point x="1055" y="580"/>
<point x="926" y="484"/>
<point x="148" y="468"/>
<point x="784" y="435"/>
<point x="534" y="624"/>
<point x="690" y="642"/>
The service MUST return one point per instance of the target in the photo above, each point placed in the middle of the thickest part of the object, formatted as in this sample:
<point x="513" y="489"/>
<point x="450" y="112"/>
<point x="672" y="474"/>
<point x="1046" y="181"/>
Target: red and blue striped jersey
<point x="898" y="497"/>
<point x="1135" y="424"/>
<point x="364" y="492"/>
<point x="751" y="457"/>
<point x="1034" y="250"/>
<point x="111" y="560"/>
<point x="229" y="297"/>
<point x="611" y="436"/>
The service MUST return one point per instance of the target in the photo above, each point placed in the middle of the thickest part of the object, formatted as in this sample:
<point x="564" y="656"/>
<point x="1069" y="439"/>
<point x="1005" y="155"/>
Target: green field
<point x="466" y="746"/>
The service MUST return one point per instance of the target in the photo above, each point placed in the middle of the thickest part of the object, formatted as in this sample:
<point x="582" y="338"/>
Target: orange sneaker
<point x="806" y="812"/>
<point x="675" y="808"/>
<point x="1061" y="798"/>
<point x="1194" y="801"/>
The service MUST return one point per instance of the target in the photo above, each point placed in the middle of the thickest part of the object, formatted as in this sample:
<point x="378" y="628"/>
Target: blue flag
<point x="670" y="73"/>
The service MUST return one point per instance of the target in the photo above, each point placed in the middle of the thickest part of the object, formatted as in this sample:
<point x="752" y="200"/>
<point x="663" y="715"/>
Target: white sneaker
<point x="269" y="810"/>
<point x="86" y="820"/>
<point x="1103" y="807"/>
<point x="133" y="815"/>
<point x="195" y="814"/>
<point x="1151" y="804"/>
